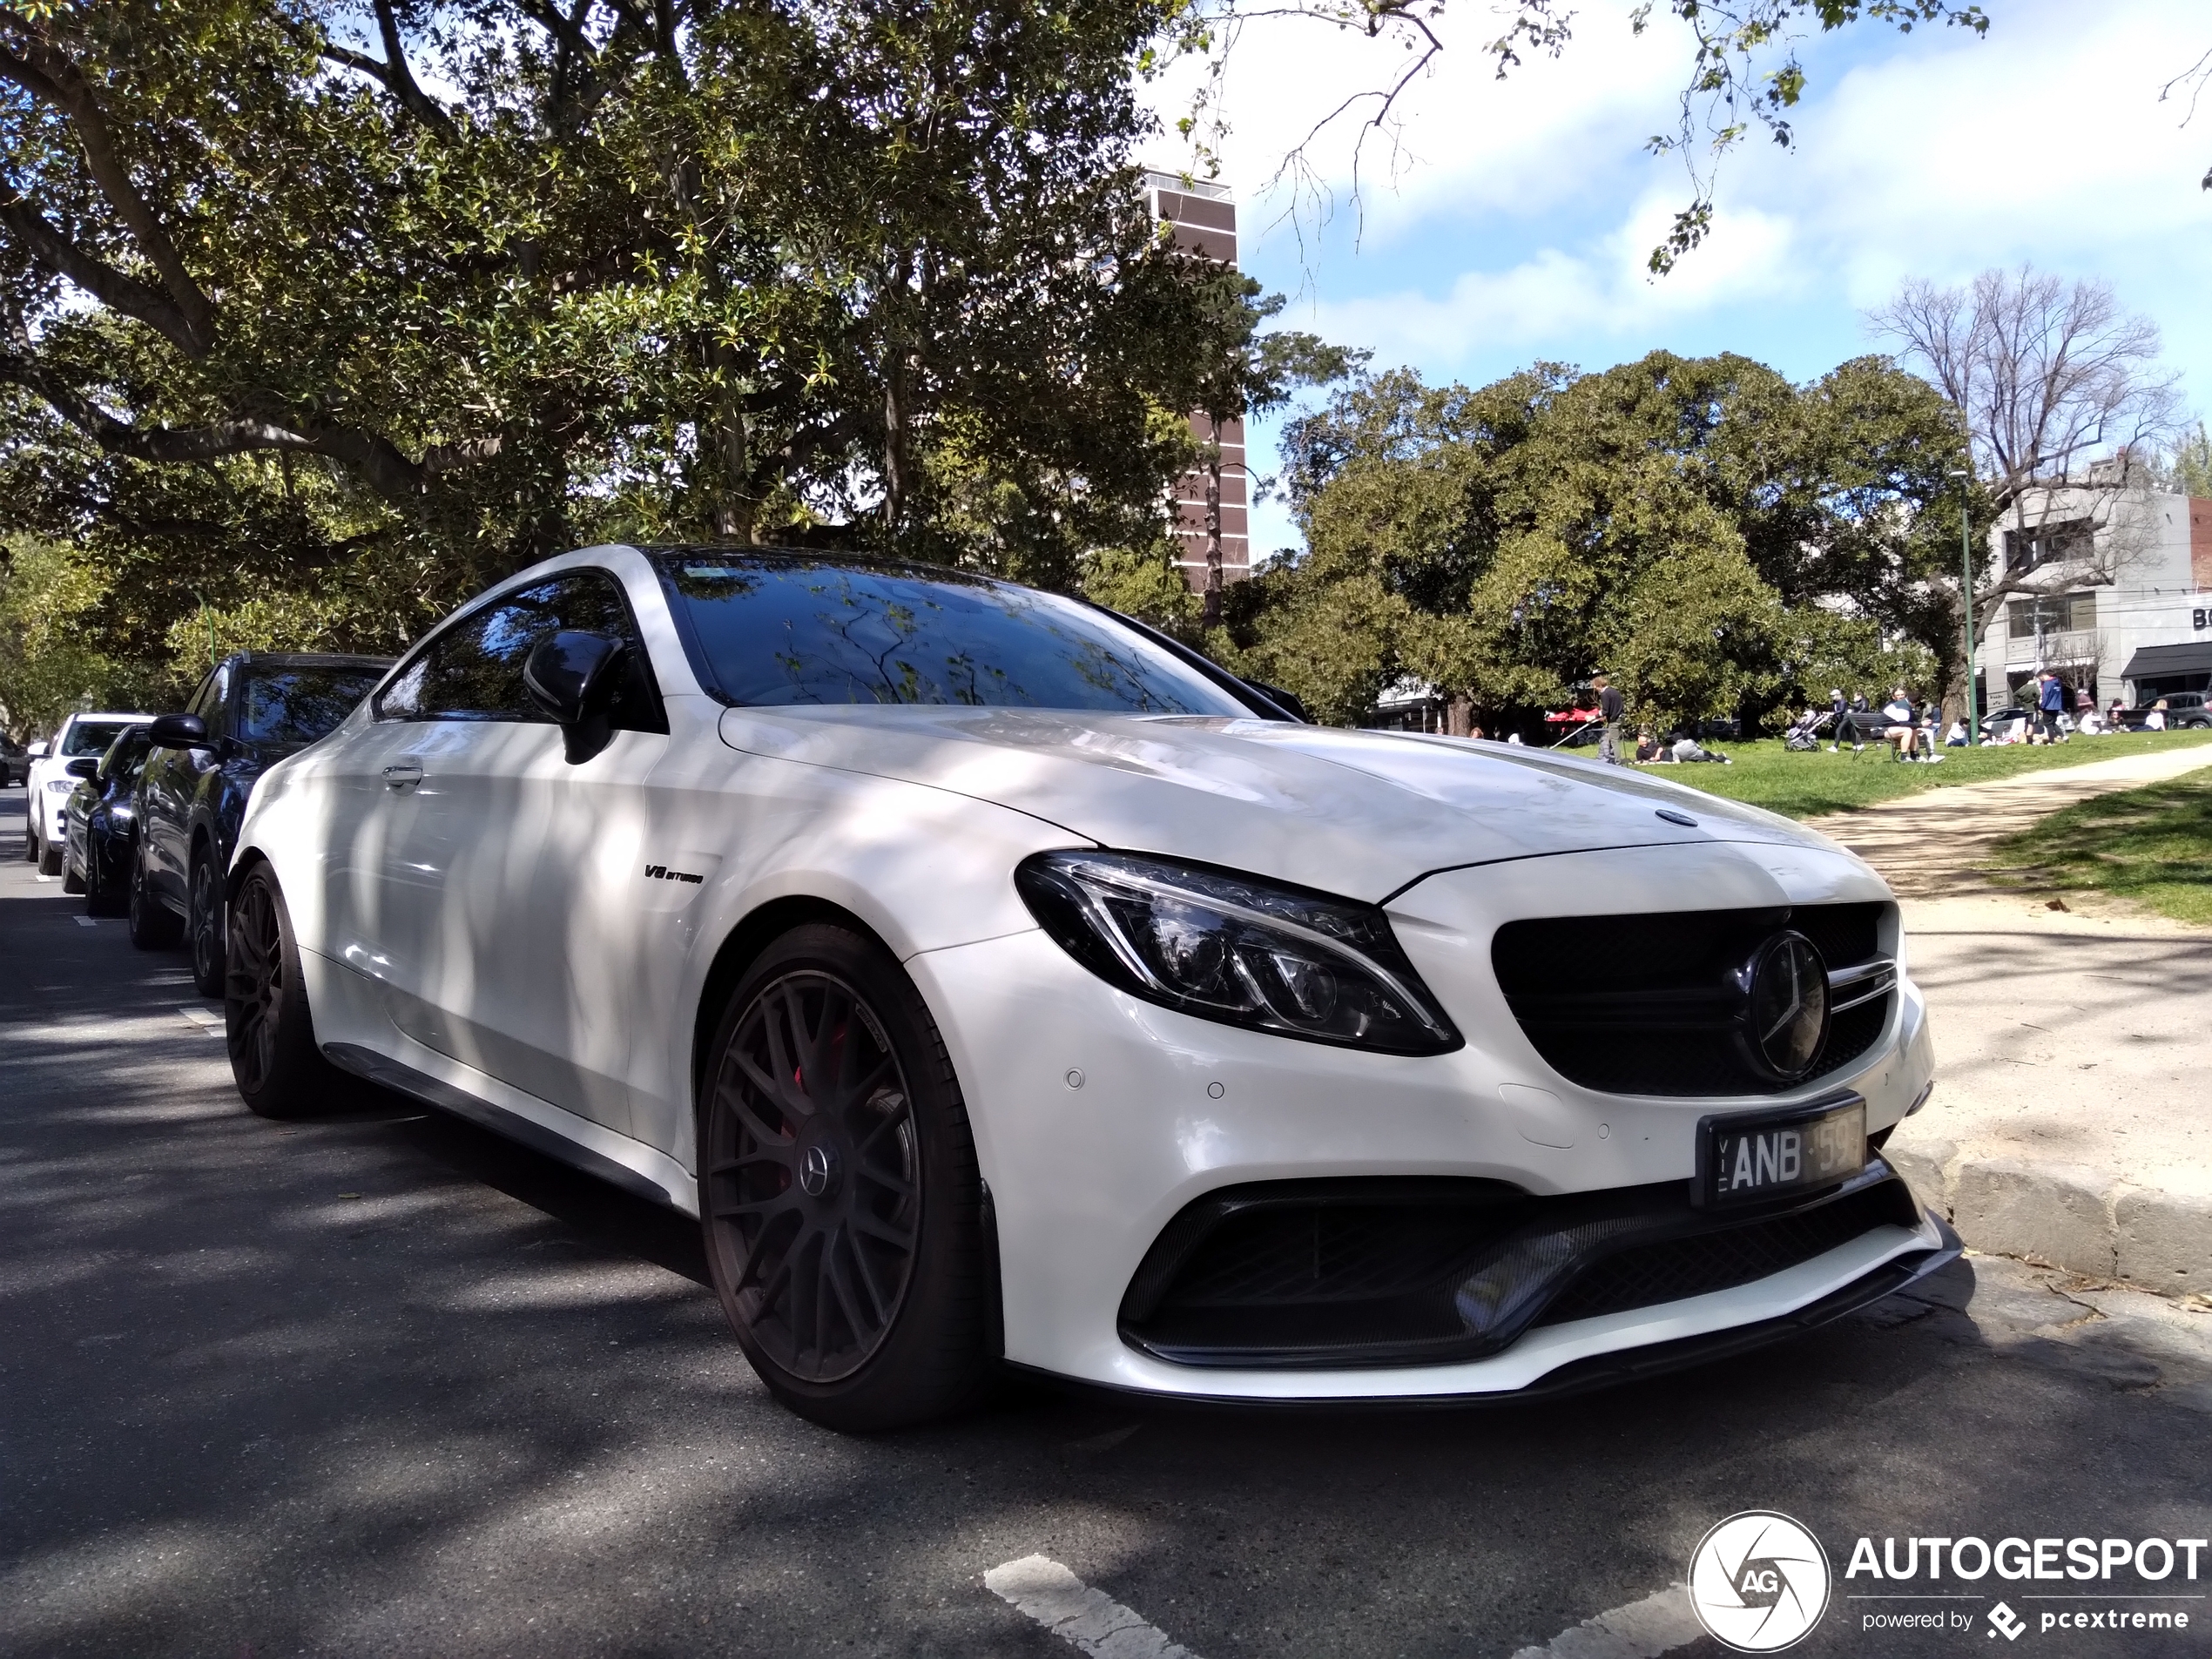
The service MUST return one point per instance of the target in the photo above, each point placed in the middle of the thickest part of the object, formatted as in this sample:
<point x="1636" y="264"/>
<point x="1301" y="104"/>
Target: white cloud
<point x="1943" y="156"/>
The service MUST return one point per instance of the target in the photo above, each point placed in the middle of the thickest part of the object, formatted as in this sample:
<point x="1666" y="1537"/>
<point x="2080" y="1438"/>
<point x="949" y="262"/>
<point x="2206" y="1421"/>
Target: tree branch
<point x="49" y="76"/>
<point x="392" y="74"/>
<point x="396" y="480"/>
<point x="103" y="282"/>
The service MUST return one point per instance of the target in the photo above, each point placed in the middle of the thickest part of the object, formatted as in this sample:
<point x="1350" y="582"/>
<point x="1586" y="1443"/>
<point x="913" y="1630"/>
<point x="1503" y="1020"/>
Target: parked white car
<point x="996" y="979"/>
<point x="82" y="736"/>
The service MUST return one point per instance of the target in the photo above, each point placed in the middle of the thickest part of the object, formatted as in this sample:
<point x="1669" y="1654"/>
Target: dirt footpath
<point x="1932" y="844"/>
<point x="2072" y="1121"/>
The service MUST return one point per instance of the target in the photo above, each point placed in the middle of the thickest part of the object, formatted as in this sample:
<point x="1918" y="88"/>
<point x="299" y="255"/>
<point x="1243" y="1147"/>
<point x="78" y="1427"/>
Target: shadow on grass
<point x="2153" y="845"/>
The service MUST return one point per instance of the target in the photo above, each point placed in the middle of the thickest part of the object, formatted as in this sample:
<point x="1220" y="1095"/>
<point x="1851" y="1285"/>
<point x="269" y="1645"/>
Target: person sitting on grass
<point x="2156" y="720"/>
<point x="1647" y="748"/>
<point x="1686" y="749"/>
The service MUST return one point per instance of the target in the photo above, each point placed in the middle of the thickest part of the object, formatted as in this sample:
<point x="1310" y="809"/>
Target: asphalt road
<point x="387" y="1385"/>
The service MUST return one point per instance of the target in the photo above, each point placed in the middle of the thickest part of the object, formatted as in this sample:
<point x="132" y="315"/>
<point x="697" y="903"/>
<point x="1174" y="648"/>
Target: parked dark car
<point x="253" y="709"/>
<point x="104" y="823"/>
<point x="15" y="762"/>
<point x="2185" y="711"/>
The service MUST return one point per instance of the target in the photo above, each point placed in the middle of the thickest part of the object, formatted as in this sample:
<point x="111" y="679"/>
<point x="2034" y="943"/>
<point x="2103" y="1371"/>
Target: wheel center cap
<point x="818" y="1171"/>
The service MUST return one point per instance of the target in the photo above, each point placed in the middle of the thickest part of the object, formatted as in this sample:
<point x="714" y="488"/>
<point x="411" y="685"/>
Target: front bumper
<point x="1098" y="1119"/>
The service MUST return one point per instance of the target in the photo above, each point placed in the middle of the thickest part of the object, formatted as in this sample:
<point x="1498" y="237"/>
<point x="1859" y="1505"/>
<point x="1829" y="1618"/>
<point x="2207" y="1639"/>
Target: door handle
<point x="400" y="773"/>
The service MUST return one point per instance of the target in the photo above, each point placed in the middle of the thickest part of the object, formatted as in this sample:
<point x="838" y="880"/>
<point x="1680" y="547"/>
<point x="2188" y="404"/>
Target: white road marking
<point x="1087" y="1619"/>
<point x="1659" y="1624"/>
<point x="84" y="922"/>
<point x="207" y="1019"/>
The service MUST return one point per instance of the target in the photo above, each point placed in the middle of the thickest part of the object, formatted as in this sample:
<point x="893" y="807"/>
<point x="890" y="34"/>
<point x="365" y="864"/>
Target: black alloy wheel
<point x="838" y="1191"/>
<point x="203" y="926"/>
<point x="152" y="924"/>
<point x="279" y="1071"/>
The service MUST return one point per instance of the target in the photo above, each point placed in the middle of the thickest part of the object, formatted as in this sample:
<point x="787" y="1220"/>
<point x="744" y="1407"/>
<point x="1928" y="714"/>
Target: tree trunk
<point x="895" y="443"/>
<point x="1459" y="717"/>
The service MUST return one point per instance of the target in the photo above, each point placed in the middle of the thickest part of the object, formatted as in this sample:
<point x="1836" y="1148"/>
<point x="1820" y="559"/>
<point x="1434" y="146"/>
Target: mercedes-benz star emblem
<point x="817" y="1170"/>
<point x="1785" y="1006"/>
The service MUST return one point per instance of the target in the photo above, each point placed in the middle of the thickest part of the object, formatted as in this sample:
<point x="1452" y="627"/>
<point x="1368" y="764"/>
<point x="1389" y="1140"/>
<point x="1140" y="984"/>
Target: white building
<point x="2119" y="599"/>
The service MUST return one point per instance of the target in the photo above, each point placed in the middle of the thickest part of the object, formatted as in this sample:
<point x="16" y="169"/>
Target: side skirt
<point x="391" y="1074"/>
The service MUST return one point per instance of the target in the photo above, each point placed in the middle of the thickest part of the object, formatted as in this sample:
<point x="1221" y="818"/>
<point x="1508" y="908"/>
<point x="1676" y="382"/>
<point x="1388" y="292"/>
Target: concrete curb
<point x="2085" y="1221"/>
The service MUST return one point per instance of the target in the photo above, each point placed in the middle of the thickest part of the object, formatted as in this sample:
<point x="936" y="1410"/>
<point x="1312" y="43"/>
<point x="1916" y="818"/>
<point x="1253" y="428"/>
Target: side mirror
<point x="37" y="750"/>
<point x="575" y="677"/>
<point x="87" y="767"/>
<point x="180" y="731"/>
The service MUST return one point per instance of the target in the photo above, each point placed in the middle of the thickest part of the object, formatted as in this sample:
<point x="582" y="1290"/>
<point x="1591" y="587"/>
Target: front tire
<point x="72" y="878"/>
<point x="153" y="925"/>
<point x="280" y="1071"/>
<point x="838" y="1191"/>
<point x="50" y="856"/>
<point x="203" y="927"/>
<point x="101" y="898"/>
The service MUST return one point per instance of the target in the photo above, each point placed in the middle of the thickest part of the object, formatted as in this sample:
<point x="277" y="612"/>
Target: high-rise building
<point x="1204" y="220"/>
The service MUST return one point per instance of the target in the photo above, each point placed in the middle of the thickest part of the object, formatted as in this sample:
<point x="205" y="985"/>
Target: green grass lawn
<point x="2153" y="845"/>
<point x="1806" y="786"/>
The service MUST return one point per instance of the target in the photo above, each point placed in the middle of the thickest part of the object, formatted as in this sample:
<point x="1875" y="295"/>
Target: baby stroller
<point x="1804" y="735"/>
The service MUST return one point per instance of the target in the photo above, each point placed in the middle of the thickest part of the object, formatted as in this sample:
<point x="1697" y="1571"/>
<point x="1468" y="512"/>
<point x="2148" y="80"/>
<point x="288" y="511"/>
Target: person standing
<point x="1609" y="709"/>
<point x="2050" y="702"/>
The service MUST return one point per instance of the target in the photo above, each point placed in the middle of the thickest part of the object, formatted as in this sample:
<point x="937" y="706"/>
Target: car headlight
<point x="61" y="785"/>
<point x="1226" y="947"/>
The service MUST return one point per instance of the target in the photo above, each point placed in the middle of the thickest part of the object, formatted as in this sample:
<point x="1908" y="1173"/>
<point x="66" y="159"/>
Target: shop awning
<point x="2163" y="662"/>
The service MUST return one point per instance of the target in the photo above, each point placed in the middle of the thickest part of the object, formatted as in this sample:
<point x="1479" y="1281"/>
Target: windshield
<point x="92" y="737"/>
<point x="296" y="705"/>
<point x="778" y="631"/>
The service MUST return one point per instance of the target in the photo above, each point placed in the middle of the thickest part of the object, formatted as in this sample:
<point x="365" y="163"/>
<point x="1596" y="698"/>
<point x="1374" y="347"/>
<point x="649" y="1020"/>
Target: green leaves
<point x="1714" y="537"/>
<point x="394" y="299"/>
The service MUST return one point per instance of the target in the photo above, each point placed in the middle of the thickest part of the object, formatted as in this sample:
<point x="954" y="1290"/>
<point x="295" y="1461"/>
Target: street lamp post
<point x="1966" y="597"/>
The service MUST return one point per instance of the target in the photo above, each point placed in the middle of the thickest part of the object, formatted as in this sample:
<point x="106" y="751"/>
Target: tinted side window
<point x="294" y="706"/>
<point x="473" y="670"/>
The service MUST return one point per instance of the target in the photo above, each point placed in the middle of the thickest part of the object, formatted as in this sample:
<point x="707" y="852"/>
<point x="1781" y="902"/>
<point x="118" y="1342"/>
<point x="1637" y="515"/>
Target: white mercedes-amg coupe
<point x="1001" y="982"/>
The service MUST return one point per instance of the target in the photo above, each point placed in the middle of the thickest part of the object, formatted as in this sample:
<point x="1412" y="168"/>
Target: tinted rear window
<point x="296" y="705"/>
<point x="92" y="737"/>
<point x="779" y="632"/>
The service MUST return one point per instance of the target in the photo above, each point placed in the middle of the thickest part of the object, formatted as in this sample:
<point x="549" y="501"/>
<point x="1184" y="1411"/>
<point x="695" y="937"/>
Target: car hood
<point x="1360" y="814"/>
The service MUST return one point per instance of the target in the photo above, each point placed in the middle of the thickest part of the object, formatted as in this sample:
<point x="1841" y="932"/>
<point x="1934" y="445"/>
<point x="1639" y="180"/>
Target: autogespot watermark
<point x="1760" y="1582"/>
<point x="2145" y="1578"/>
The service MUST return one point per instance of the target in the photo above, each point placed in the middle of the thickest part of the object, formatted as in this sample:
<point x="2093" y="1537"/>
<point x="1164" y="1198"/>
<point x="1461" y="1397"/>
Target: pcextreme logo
<point x="1758" y="1581"/>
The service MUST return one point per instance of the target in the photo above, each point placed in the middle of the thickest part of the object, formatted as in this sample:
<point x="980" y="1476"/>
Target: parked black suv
<point x="253" y="709"/>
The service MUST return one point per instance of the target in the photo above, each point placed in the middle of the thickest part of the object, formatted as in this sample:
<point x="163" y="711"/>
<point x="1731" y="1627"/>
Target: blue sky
<point x="1513" y="222"/>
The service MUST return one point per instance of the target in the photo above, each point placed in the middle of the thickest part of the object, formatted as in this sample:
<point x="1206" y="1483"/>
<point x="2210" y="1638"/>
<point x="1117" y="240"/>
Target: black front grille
<point x="1403" y="1271"/>
<point x="1642" y="1004"/>
<point x="1720" y="1261"/>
